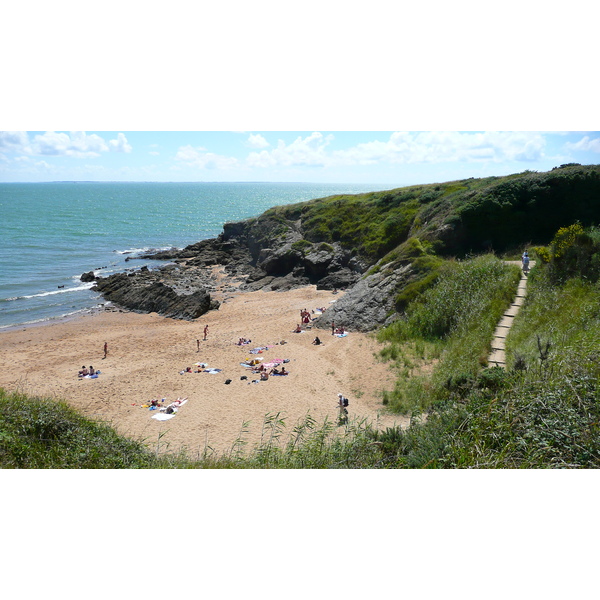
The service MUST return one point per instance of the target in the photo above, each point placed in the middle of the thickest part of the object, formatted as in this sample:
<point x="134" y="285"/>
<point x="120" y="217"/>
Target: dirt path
<point x="497" y="356"/>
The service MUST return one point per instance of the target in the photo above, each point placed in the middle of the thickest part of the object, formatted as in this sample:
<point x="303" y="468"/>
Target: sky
<point x="392" y="157"/>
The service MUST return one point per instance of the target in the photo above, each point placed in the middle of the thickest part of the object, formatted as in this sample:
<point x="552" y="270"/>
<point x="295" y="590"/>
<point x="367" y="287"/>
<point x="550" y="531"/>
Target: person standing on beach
<point x="205" y="332"/>
<point x="343" y="403"/>
<point x="332" y="327"/>
<point x="105" y="350"/>
<point x="198" y="344"/>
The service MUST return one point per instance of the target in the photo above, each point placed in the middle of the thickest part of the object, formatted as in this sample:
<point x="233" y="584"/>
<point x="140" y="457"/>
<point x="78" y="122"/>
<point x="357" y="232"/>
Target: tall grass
<point x="456" y="318"/>
<point x="42" y="433"/>
<point x="543" y="414"/>
<point x="567" y="317"/>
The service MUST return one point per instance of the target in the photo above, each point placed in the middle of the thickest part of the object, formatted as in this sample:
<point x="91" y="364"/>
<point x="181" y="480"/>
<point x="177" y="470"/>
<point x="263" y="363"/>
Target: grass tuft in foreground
<point x="37" y="433"/>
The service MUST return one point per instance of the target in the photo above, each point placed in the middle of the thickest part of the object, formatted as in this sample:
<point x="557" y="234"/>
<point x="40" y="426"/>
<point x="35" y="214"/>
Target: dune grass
<point x="453" y="323"/>
<point x="40" y="433"/>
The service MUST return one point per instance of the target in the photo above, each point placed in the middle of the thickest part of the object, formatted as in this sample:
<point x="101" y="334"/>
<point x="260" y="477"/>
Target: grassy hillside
<point x="457" y="217"/>
<point x="39" y="433"/>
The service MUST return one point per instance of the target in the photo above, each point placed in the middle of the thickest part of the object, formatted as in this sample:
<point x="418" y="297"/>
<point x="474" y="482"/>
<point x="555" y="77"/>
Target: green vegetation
<point x="544" y="411"/>
<point x="45" y="434"/>
<point x="453" y="218"/>
<point x="455" y="321"/>
<point x="38" y="433"/>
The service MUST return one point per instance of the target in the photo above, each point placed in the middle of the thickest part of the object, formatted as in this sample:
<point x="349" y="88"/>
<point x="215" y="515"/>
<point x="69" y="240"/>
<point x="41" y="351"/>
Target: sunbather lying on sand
<point x="171" y="408"/>
<point x="276" y="371"/>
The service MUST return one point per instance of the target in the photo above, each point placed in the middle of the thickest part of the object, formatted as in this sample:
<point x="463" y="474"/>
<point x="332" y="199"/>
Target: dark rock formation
<point x="87" y="277"/>
<point x="369" y="303"/>
<point x="264" y="253"/>
<point x="168" y="294"/>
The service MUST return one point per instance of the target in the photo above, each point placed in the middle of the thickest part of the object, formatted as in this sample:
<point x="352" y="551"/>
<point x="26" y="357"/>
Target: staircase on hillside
<point x="497" y="356"/>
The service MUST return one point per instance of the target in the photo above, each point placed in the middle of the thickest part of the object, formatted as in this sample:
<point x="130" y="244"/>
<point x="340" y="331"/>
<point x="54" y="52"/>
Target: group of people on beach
<point x="85" y="372"/>
<point x="337" y="330"/>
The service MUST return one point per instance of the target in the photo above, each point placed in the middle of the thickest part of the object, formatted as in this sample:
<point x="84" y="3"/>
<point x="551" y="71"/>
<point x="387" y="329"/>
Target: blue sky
<point x="395" y="158"/>
<point x="328" y="93"/>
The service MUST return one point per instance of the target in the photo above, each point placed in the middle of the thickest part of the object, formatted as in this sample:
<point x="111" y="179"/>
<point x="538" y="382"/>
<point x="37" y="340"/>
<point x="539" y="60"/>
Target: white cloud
<point x="153" y="153"/>
<point x="445" y="146"/>
<point x="585" y="144"/>
<point x="14" y="140"/>
<point x="200" y="158"/>
<point x="120" y="144"/>
<point x="308" y="151"/>
<point x="77" y="144"/>
<point x="257" y="141"/>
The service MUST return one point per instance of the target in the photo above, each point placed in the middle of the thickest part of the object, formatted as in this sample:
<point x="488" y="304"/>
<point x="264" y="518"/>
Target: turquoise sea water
<point x="51" y="233"/>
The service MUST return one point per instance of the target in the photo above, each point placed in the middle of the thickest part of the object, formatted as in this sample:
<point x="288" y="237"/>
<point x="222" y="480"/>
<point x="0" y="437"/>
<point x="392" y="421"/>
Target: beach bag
<point x="345" y="402"/>
<point x="227" y="381"/>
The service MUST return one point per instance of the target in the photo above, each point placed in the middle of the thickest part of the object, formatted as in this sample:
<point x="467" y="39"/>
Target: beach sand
<point x="146" y="353"/>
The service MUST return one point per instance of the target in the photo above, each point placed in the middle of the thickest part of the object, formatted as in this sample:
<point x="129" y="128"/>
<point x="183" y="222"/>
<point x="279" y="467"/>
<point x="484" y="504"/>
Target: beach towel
<point x="341" y="334"/>
<point x="163" y="416"/>
<point x="212" y="371"/>
<point x="274" y="363"/>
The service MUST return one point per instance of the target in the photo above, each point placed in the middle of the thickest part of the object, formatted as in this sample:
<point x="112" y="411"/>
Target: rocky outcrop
<point x="167" y="294"/>
<point x="265" y="253"/>
<point x="369" y="304"/>
<point x="271" y="253"/>
<point x="88" y="277"/>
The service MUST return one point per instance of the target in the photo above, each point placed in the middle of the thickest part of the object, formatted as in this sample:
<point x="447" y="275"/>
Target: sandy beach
<point x="147" y="352"/>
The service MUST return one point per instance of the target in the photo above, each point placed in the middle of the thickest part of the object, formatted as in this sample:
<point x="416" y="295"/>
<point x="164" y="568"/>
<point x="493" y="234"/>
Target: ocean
<point x="51" y="233"/>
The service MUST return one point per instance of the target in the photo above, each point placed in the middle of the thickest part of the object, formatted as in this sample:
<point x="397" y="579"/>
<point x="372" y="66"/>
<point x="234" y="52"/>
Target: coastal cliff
<point x="384" y="248"/>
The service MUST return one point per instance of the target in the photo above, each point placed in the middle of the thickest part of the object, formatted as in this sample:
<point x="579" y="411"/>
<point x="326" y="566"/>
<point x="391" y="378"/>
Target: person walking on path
<point x="205" y="332"/>
<point x="525" y="260"/>
<point x="105" y="350"/>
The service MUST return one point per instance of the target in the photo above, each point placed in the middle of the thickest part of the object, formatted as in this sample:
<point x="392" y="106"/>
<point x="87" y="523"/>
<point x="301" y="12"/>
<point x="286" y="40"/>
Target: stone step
<point x="501" y="332"/>
<point x="498" y="355"/>
<point x="506" y="321"/>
